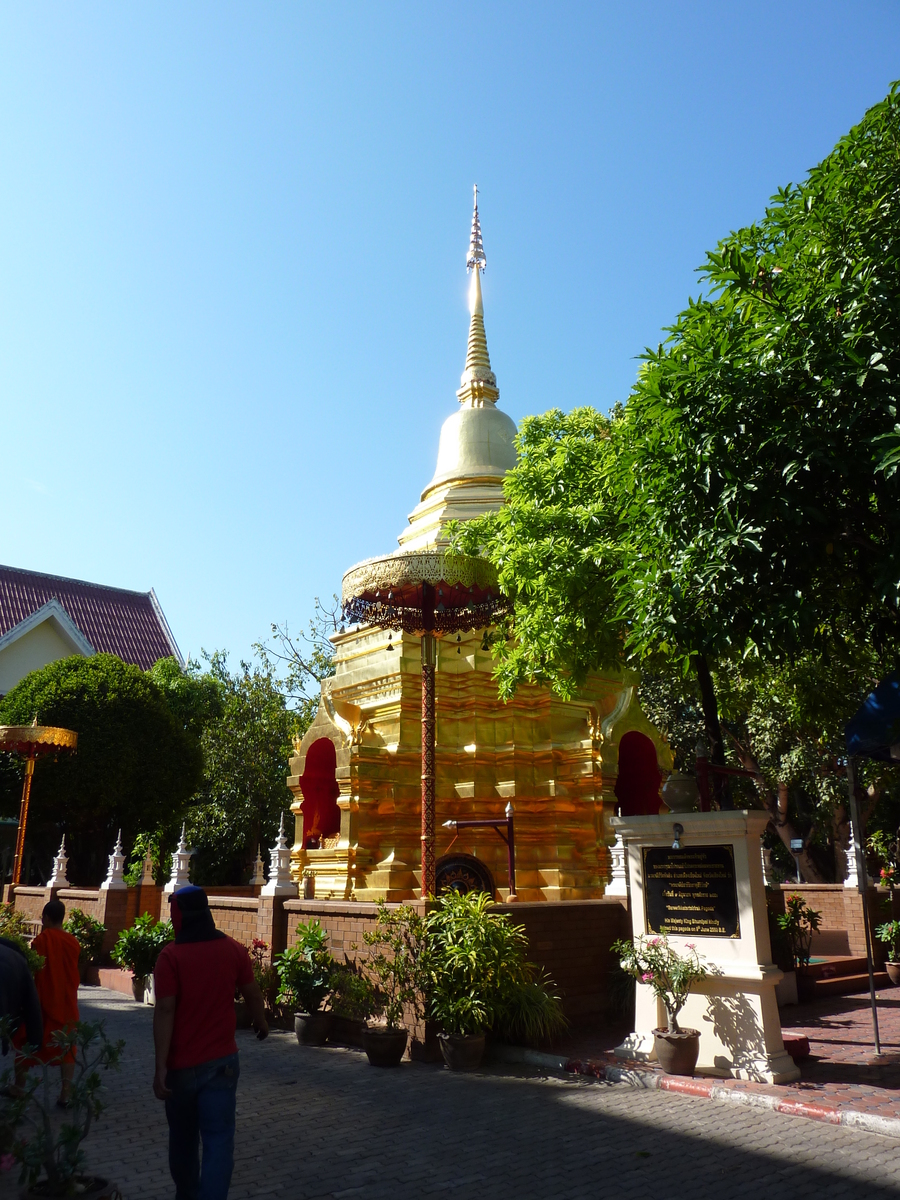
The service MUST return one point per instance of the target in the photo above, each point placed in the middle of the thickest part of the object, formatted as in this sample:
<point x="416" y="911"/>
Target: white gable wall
<point x="36" y="648"/>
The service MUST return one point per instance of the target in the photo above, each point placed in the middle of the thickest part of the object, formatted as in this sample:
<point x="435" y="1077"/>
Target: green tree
<point x="135" y="763"/>
<point x="246" y="748"/>
<point x="745" y="502"/>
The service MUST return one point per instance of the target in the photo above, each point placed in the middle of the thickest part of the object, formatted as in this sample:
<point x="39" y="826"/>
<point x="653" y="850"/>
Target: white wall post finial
<point x="280" y="882"/>
<point x="181" y="864"/>
<point x="258" y="878"/>
<point x="114" y="880"/>
<point x="59" y="879"/>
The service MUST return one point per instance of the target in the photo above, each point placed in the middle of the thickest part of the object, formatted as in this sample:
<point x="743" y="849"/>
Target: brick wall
<point x="569" y="939"/>
<point x="842" y="930"/>
<point x="237" y="916"/>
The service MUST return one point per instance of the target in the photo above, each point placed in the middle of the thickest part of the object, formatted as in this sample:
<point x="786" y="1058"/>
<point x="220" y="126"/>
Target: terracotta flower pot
<point x="677" y="1052"/>
<point x="462" y="1051"/>
<point x="384" y="1047"/>
<point x="312" y="1028"/>
<point x="893" y="970"/>
<point x="138" y="987"/>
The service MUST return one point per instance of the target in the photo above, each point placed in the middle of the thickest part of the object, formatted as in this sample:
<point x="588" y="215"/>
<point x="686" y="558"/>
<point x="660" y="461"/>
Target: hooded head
<point x="191" y="919"/>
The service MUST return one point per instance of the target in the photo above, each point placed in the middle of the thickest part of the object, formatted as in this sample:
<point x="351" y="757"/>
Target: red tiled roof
<point x="114" y="621"/>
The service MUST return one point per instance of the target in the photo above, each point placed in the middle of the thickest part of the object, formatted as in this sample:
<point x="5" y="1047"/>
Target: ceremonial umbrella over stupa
<point x="32" y="742"/>
<point x="433" y="591"/>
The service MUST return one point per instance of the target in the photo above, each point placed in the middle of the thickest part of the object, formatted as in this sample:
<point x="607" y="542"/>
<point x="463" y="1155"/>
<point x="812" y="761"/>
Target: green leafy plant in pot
<point x="50" y="1153"/>
<point x="477" y="978"/>
<point x="799" y="922"/>
<point x="90" y="934"/>
<point x="353" y="1001"/>
<point x="394" y="967"/>
<point x="889" y="933"/>
<point x="671" y="975"/>
<point x="305" y="972"/>
<point x="137" y="949"/>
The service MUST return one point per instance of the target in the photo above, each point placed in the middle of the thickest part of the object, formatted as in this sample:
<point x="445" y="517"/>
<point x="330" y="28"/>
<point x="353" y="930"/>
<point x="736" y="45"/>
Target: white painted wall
<point x="39" y="646"/>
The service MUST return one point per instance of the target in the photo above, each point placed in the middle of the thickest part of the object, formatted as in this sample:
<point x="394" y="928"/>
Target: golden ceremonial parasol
<point x="32" y="742"/>
<point x="428" y="592"/>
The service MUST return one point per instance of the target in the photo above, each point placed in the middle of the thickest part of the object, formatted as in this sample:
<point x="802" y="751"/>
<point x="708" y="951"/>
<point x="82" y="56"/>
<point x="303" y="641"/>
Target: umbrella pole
<point x="429" y="659"/>
<point x="23" y="821"/>
<point x="428" y="739"/>
<point x="863" y="884"/>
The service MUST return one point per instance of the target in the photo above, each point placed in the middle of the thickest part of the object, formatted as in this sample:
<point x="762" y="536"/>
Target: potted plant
<point x="889" y="932"/>
<point x="477" y="978"/>
<point x="90" y="934"/>
<point x="49" y="1152"/>
<point x="352" y="1002"/>
<point x="305" y="972"/>
<point x="138" y="948"/>
<point x="799" y="922"/>
<point x="652" y="960"/>
<point x="394" y="966"/>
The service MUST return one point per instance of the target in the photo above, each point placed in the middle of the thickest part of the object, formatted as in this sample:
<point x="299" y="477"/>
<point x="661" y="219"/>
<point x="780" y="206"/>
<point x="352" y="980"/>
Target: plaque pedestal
<point x="709" y="892"/>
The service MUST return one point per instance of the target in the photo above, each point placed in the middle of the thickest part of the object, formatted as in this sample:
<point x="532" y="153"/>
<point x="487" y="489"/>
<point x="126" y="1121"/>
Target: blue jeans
<point x="201" y="1108"/>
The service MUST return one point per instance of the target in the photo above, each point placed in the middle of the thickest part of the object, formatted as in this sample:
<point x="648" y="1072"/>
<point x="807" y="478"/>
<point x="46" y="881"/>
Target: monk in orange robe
<point x="57" y="989"/>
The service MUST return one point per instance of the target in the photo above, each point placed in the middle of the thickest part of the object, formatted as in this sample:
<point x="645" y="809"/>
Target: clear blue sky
<point x="232" y="244"/>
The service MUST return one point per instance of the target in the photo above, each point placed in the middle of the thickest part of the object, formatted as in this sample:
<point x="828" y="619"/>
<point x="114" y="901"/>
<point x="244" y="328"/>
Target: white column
<point x="258" y="878"/>
<point x="280" y="882"/>
<point x="181" y="864"/>
<point x="59" y="879"/>
<point x="618" y="880"/>
<point x="114" y="880"/>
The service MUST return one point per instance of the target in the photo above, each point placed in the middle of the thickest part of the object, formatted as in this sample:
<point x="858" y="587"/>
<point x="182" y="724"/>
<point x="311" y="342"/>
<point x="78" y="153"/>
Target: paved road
<point x="323" y="1125"/>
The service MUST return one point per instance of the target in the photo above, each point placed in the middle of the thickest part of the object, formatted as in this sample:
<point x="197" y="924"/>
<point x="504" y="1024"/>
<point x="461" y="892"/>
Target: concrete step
<point x="833" y="967"/>
<point x="845" y="985"/>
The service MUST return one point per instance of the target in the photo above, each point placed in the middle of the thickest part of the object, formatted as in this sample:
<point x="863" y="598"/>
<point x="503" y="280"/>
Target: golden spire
<point x="479" y="383"/>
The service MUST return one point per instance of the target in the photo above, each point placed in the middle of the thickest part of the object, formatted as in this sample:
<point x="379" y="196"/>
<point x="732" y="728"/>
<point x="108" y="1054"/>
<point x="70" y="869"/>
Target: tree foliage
<point x="135" y="764"/>
<point x="744" y="505"/>
<point x="245" y="752"/>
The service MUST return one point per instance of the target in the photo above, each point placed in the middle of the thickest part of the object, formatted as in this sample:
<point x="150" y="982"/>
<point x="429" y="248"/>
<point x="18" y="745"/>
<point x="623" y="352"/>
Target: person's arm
<point x="254" y="997"/>
<point x="163" y="1025"/>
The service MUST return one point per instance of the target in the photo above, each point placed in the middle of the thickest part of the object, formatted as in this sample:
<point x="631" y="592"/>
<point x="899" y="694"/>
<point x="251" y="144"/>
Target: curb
<point x="709" y="1090"/>
<point x="530" y="1058"/>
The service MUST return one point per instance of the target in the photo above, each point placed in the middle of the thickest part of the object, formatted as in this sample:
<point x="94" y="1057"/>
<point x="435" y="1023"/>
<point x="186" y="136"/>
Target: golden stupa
<point x="564" y="765"/>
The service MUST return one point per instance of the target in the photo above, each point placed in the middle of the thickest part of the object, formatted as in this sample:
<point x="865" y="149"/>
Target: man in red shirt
<point x="197" y="1063"/>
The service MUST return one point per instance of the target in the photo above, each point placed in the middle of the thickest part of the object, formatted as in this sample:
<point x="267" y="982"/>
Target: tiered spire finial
<point x="475" y="259"/>
<point x="479" y="383"/>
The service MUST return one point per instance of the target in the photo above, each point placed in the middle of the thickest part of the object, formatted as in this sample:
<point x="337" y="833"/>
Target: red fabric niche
<point x="321" y="815"/>
<point x="637" y="786"/>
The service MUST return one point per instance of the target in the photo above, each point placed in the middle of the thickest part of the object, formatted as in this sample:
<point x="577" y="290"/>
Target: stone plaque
<point x="691" y="891"/>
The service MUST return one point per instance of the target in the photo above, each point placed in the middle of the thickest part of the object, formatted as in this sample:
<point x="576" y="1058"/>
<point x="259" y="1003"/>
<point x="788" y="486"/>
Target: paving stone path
<point x="324" y="1125"/>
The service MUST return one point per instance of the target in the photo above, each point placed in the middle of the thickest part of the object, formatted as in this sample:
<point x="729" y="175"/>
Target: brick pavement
<point x="841" y="1077"/>
<point x="321" y="1124"/>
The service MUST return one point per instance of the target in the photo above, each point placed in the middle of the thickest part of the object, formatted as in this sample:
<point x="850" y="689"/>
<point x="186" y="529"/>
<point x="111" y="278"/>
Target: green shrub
<point x="15" y="927"/>
<point x="799" y="922"/>
<point x="138" y="948"/>
<point x="352" y="994"/>
<point x="477" y="977"/>
<point x="305" y="970"/>
<point x="889" y="932"/>
<point x="90" y="934"/>
<point x="396" y="963"/>
<point x="264" y="972"/>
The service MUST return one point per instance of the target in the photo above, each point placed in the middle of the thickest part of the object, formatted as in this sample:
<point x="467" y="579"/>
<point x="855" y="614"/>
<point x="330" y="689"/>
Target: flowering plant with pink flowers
<point x="653" y="961"/>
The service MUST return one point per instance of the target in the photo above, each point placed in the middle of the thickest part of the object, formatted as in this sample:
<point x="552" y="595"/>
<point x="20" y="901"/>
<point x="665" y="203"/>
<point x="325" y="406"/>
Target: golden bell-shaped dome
<point x="477" y="444"/>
